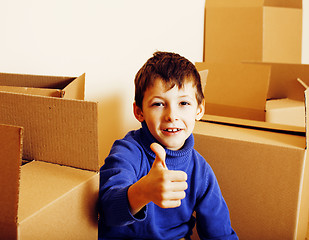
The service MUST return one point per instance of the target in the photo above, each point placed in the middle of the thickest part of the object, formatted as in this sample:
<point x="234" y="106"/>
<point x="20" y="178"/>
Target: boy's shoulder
<point x="129" y="143"/>
<point x="201" y="161"/>
<point x="125" y="152"/>
<point x="132" y="136"/>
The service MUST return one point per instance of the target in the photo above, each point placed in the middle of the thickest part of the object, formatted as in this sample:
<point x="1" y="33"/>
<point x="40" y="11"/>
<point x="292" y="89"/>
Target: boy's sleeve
<point x="117" y="174"/>
<point x="212" y="214"/>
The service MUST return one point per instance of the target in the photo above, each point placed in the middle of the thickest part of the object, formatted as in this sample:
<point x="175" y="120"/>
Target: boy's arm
<point x="164" y="187"/>
<point x="116" y="175"/>
<point x="121" y="194"/>
<point x="212" y="214"/>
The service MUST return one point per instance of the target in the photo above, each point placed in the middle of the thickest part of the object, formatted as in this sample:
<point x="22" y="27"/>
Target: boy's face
<point x="170" y="114"/>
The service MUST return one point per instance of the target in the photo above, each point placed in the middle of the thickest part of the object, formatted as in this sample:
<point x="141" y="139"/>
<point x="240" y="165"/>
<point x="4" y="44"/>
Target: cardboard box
<point x="51" y="86"/>
<point x="257" y="30"/>
<point x="56" y="129"/>
<point x="262" y="168"/>
<point x="54" y="195"/>
<point x="286" y="112"/>
<point x="240" y="90"/>
<point x="43" y="200"/>
<point x="263" y="177"/>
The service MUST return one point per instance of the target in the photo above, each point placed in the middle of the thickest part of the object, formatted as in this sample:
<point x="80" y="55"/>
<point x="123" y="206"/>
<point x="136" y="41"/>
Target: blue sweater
<point x="130" y="159"/>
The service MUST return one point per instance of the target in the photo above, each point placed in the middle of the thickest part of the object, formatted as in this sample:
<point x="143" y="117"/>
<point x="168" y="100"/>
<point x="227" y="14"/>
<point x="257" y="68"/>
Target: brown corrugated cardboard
<point x="285" y="111"/>
<point x="263" y="176"/>
<point x="10" y="160"/>
<point x="240" y="90"/>
<point x="51" y="86"/>
<point x="61" y="205"/>
<point x="62" y="131"/>
<point x="33" y="91"/>
<point x="257" y="30"/>
<point x="262" y="168"/>
<point x="55" y="195"/>
<point x="44" y="200"/>
<point x="235" y="90"/>
<point x="203" y="75"/>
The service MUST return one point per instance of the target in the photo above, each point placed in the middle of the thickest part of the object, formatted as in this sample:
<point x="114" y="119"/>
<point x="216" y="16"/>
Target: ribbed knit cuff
<point x="122" y="209"/>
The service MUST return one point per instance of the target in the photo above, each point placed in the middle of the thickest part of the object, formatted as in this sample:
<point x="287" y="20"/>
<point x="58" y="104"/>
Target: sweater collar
<point x="173" y="157"/>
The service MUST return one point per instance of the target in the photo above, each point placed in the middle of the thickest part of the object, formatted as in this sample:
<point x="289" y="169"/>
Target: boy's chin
<point x="173" y="146"/>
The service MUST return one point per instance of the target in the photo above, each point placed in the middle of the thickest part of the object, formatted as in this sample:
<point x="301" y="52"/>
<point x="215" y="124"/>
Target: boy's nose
<point x="171" y="115"/>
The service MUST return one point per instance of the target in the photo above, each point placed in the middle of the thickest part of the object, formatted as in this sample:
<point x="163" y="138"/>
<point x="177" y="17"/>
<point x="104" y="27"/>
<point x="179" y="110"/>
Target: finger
<point x="178" y="195"/>
<point x="160" y="154"/>
<point x="170" y="204"/>
<point x="173" y="195"/>
<point x="178" y="186"/>
<point x="177" y="176"/>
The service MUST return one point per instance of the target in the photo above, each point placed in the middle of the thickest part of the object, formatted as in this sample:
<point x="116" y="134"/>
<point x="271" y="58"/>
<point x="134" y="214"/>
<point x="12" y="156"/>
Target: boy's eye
<point x="184" y="103"/>
<point x="157" y="104"/>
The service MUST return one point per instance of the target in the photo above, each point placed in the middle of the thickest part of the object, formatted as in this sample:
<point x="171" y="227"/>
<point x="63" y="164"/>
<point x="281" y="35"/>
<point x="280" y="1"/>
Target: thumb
<point x="160" y="154"/>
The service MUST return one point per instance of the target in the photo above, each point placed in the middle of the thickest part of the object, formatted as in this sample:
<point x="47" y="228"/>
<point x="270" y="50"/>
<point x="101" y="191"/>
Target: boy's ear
<point x="138" y="112"/>
<point x="200" y="111"/>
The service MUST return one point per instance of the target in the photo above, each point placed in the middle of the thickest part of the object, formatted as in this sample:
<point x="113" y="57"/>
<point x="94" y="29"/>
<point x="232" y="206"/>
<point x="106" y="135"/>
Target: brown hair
<point x="172" y="69"/>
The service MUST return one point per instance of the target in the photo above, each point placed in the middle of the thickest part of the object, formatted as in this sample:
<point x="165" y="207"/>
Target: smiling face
<point x="170" y="113"/>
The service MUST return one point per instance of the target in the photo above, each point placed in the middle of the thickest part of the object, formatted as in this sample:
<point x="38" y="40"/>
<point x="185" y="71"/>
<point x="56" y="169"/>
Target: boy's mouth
<point x="171" y="130"/>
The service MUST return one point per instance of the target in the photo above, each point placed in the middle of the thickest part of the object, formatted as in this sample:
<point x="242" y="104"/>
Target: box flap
<point x="75" y="89"/>
<point x="236" y="90"/>
<point x="303" y="208"/>
<point x="34" y="81"/>
<point x="307" y="115"/>
<point x="10" y="161"/>
<point x="282" y="79"/>
<point x="59" y="201"/>
<point x="254" y="3"/>
<point x="56" y="130"/>
<point x="47" y="182"/>
<point x="33" y="91"/>
<point x="283" y="82"/>
<point x="285" y="111"/>
<point x="203" y="75"/>
<point x="252" y="124"/>
<point x="67" y="87"/>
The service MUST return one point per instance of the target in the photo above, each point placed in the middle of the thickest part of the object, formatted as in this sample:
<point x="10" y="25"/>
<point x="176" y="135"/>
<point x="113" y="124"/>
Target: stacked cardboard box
<point x="260" y="157"/>
<point x="255" y="30"/>
<point x="45" y="122"/>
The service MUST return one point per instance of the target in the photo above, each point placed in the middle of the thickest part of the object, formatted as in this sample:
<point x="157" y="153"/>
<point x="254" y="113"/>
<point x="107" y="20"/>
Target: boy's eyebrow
<point x="156" y="97"/>
<point x="162" y="98"/>
<point x="186" y="95"/>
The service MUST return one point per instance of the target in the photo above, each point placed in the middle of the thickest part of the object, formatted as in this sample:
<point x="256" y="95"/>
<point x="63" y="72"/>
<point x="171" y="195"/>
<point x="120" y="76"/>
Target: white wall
<point x="107" y="39"/>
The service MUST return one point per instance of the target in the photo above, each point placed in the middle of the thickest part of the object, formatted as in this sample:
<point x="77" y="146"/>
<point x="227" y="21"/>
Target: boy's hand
<point x="164" y="187"/>
<point x="160" y="155"/>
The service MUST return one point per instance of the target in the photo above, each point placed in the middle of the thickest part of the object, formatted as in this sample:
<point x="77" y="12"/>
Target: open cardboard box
<point x="262" y="168"/>
<point x="60" y="130"/>
<point x="286" y="112"/>
<point x="51" y="86"/>
<point x="54" y="195"/>
<point x="257" y="30"/>
<point x="238" y="93"/>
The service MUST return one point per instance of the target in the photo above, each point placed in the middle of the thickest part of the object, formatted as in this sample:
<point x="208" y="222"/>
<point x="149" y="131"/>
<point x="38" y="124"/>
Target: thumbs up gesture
<point x="167" y="186"/>
<point x="164" y="187"/>
<point x="160" y="156"/>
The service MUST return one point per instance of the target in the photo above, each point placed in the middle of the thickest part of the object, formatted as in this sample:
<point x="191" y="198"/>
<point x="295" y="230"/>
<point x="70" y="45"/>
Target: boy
<point x="153" y="180"/>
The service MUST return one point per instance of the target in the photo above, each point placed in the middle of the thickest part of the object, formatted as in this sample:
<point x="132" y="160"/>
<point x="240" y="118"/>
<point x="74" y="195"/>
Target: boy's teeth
<point x="172" y="130"/>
